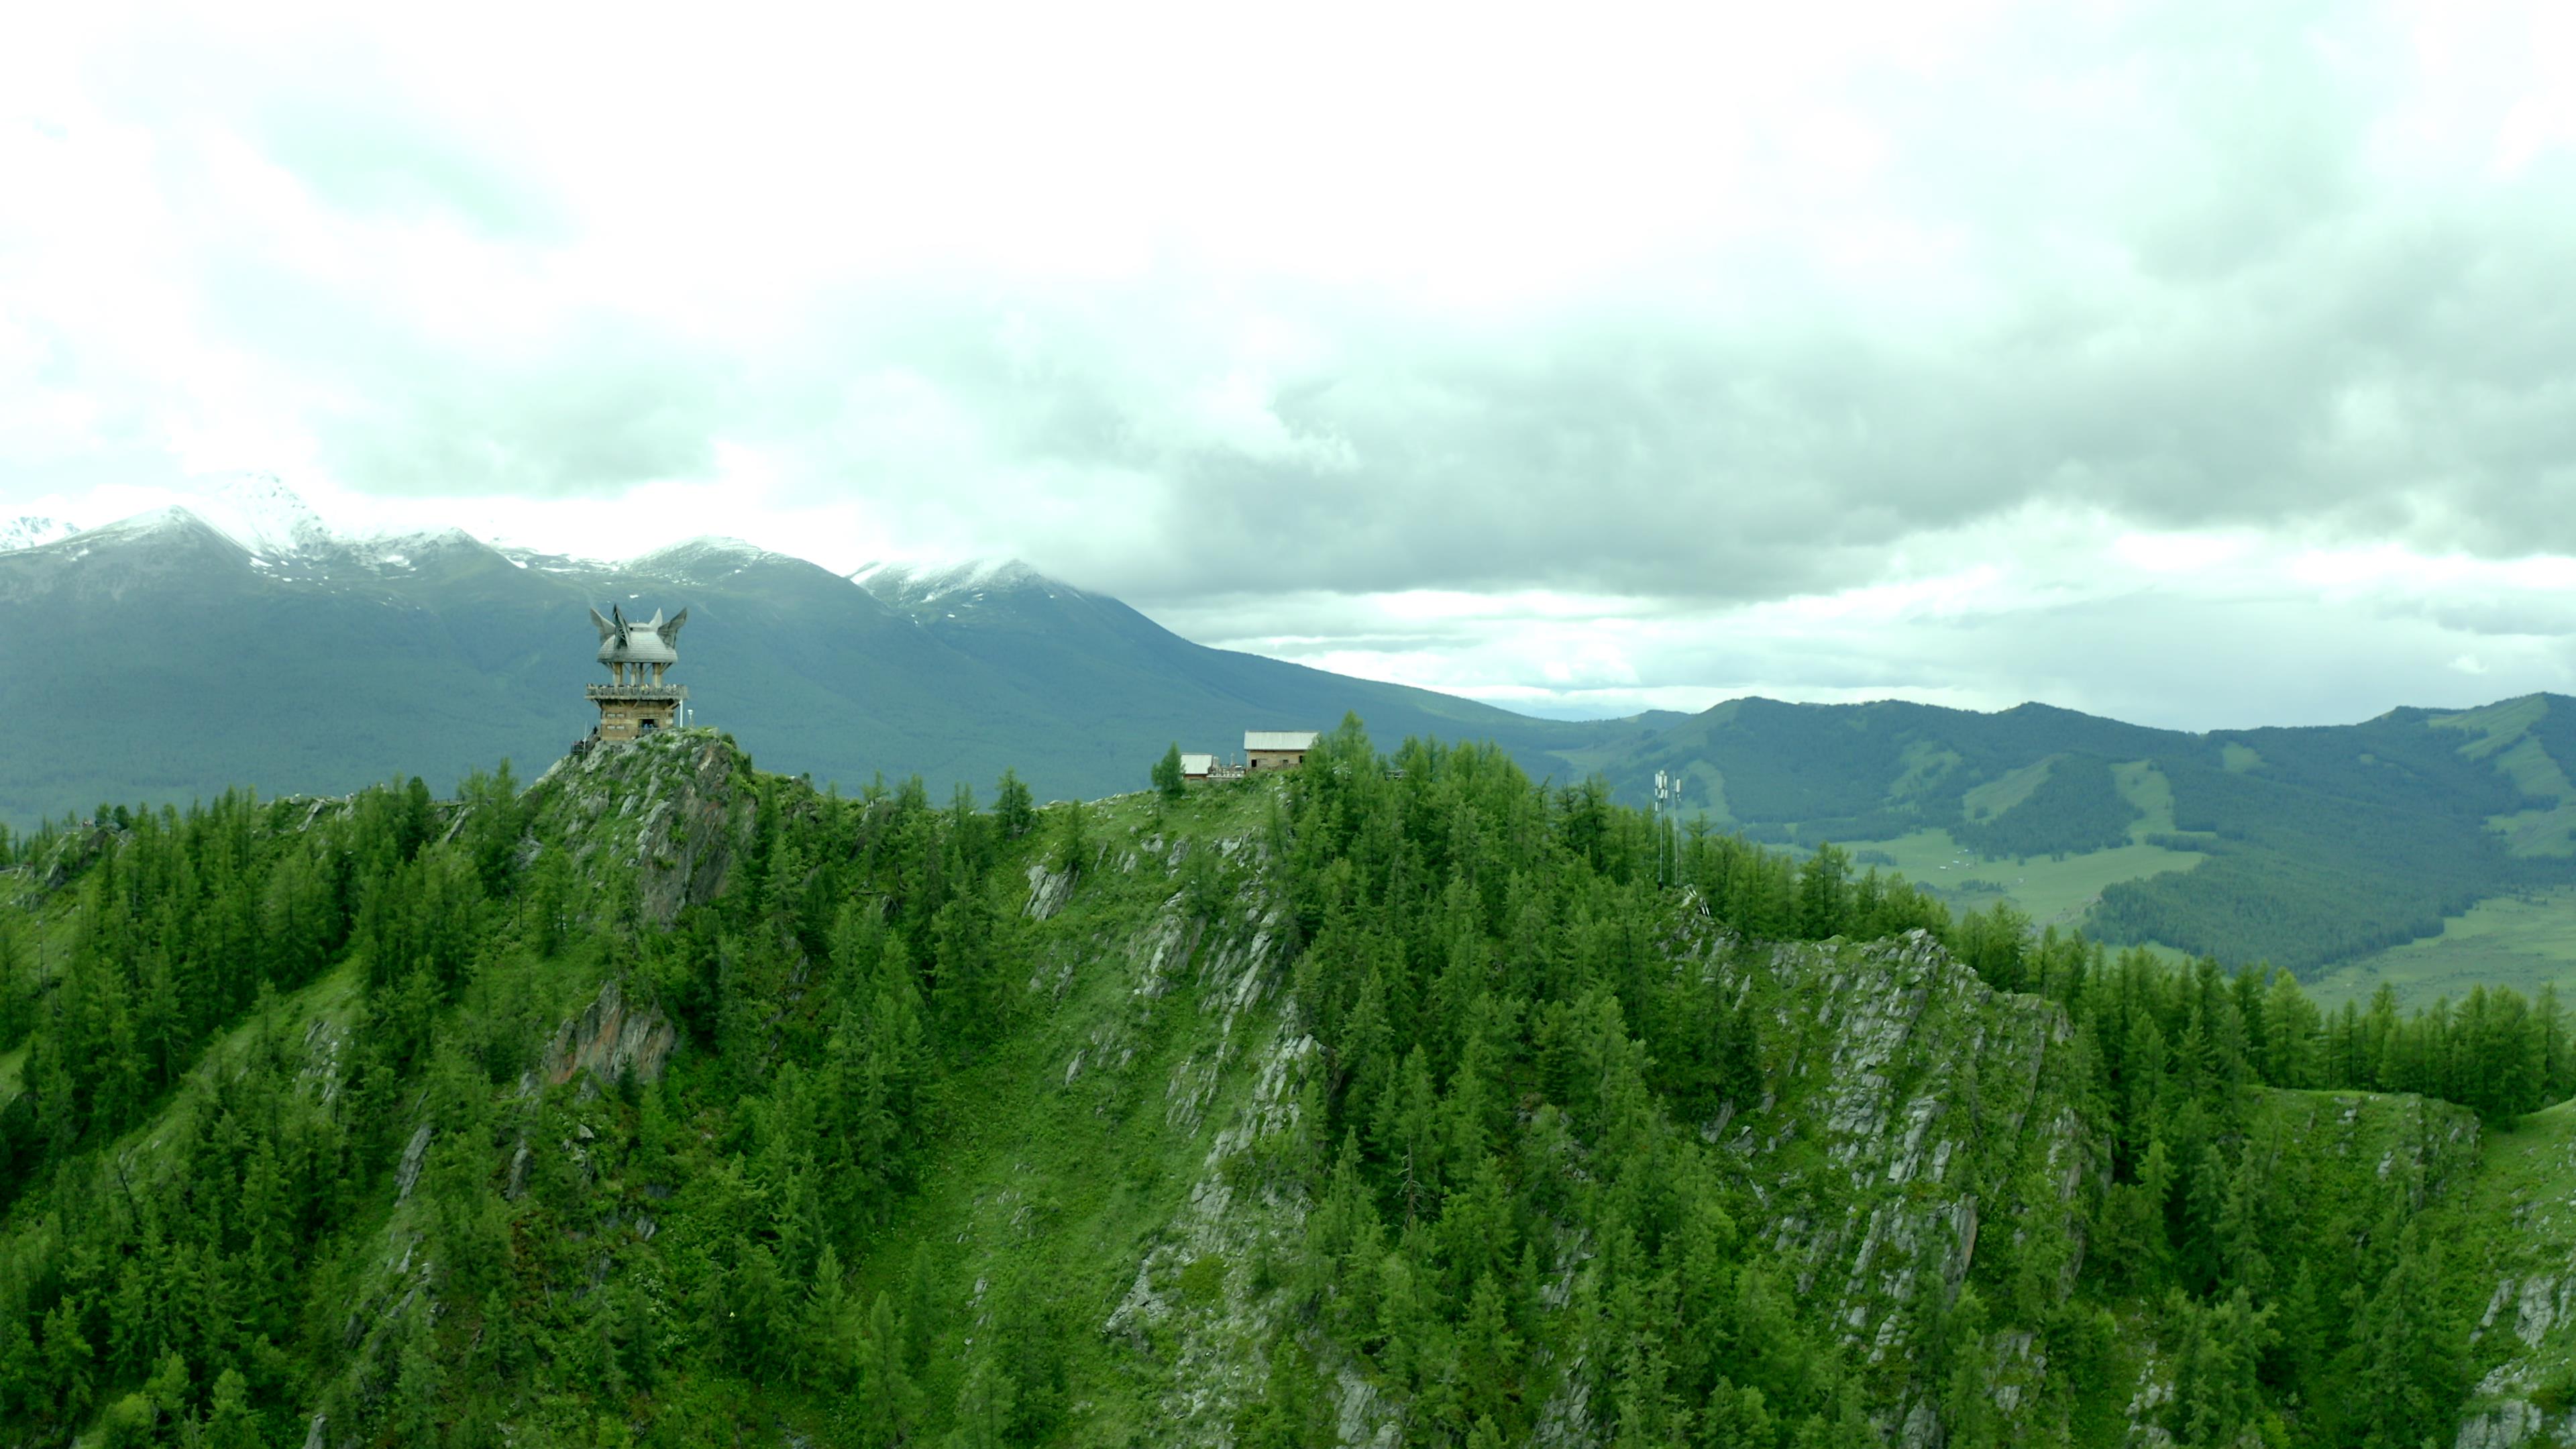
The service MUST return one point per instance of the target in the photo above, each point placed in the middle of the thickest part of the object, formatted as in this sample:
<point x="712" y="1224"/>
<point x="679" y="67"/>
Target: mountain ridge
<point x="321" y="668"/>
<point x="347" y="657"/>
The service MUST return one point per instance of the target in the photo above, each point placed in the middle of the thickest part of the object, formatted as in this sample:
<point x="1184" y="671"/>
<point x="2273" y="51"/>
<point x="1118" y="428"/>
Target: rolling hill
<point x="2302" y="846"/>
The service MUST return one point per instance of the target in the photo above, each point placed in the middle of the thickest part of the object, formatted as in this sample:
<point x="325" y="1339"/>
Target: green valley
<point x="2303" y="848"/>
<point x="2052" y="891"/>
<point x="2521" y="941"/>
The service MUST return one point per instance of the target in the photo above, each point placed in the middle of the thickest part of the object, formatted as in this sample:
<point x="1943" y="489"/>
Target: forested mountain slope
<point x="2296" y="846"/>
<point x="1399" y="1101"/>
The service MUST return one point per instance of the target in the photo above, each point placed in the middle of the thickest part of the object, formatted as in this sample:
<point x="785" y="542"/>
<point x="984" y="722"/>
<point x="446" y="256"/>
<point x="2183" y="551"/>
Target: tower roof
<point x="622" y="641"/>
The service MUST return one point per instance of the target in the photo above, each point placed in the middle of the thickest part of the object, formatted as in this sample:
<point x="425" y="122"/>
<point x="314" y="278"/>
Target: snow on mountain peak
<point x="923" y="583"/>
<point x="32" y="531"/>
<point x="710" y="545"/>
<point x="698" y="560"/>
<point x="265" y="516"/>
<point x="166" y="519"/>
<point x="407" y="548"/>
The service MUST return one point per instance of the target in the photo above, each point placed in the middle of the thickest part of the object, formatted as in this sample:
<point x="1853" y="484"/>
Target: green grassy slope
<point x="2052" y="891"/>
<point x="2524" y="942"/>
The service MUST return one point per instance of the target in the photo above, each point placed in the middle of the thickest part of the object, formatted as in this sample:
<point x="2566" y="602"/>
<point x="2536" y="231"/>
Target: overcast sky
<point x="2200" y="364"/>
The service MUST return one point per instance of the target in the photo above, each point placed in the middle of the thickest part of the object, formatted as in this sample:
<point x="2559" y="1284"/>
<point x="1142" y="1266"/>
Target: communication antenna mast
<point x="1666" y="789"/>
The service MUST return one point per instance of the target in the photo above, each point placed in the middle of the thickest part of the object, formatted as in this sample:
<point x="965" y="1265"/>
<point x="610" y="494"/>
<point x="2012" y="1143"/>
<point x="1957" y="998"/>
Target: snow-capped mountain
<point x="699" y="560"/>
<point x="32" y="531"/>
<point x="238" y="639"/>
<point x="914" y="585"/>
<point x="264" y="516"/>
<point x="283" y="536"/>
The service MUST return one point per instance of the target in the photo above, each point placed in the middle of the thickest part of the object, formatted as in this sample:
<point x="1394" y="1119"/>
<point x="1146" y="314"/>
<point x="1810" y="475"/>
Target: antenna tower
<point x="1667" y="789"/>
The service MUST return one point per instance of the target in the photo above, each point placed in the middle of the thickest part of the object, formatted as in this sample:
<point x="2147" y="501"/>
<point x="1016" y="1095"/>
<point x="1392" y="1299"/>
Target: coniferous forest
<point x="1396" y="1099"/>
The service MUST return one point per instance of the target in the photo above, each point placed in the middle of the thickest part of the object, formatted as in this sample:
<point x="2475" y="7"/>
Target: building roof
<point x="1279" y="739"/>
<point x="630" y="641"/>
<point x="1197" y="764"/>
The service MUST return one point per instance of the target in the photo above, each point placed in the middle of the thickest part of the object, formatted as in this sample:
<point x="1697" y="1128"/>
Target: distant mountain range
<point x="166" y="657"/>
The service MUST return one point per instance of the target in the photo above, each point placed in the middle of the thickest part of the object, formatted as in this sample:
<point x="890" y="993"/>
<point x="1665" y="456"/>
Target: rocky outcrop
<point x="2524" y="1340"/>
<point x="1934" y="1105"/>
<point x="70" y="853"/>
<point x="2508" y="1419"/>
<point x="408" y="1173"/>
<point x="660" y="821"/>
<point x="611" y="1039"/>
<point x="1047" y="892"/>
<point x="1196" y="1286"/>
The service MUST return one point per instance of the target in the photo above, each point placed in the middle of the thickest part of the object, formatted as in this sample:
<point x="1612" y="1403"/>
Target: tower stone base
<point x="632" y="711"/>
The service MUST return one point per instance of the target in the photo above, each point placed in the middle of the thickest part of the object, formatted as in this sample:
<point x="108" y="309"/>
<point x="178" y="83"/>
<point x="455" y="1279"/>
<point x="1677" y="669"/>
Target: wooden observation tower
<point x="636" y="702"/>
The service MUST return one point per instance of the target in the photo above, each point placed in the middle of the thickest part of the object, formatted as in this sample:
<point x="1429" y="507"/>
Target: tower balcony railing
<point x="636" y="691"/>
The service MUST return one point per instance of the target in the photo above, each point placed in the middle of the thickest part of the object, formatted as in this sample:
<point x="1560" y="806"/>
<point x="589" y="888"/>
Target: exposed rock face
<point x="1922" y="1116"/>
<point x="1937" y="1104"/>
<point x="670" y="813"/>
<point x="409" y="1172"/>
<point x="1931" y="1106"/>
<point x="2525" y="1339"/>
<point x="610" y="1039"/>
<point x="1244" y="1081"/>
<point x="1047" y="892"/>
<point x="72" y="852"/>
<point x="2512" y="1420"/>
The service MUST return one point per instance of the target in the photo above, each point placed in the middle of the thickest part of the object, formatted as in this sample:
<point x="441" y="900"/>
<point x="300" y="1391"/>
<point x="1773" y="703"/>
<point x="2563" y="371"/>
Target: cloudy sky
<point x="2199" y="363"/>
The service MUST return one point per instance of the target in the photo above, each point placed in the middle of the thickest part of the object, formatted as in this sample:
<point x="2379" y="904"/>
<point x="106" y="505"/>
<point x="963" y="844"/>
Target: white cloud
<point x="2182" y="630"/>
<point x="2187" y="361"/>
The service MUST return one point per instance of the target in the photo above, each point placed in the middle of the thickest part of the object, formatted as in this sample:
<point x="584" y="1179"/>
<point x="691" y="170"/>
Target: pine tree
<point x="1286" y="1415"/>
<point x="883" y="1404"/>
<point x="1014" y="809"/>
<point x="1072" y="853"/>
<point x="987" y="1405"/>
<point x="756" y="1309"/>
<point x="2410" y="1373"/>
<point x="231" y="1423"/>
<point x="827" y="1344"/>
<point x="68" y="1360"/>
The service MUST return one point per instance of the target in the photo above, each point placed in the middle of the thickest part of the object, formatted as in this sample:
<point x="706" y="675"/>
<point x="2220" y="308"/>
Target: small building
<point x="637" y="701"/>
<point x="1276" y="749"/>
<point x="1195" y="768"/>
